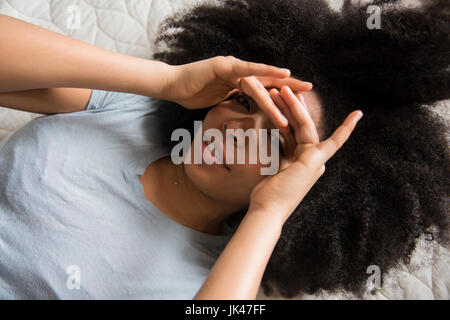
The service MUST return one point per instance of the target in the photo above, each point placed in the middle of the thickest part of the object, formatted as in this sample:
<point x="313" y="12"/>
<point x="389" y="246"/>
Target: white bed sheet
<point x="130" y="26"/>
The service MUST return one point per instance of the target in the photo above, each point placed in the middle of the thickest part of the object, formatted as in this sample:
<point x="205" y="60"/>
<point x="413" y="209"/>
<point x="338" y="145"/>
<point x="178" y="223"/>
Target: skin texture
<point x="208" y="194"/>
<point x="233" y="187"/>
<point x="389" y="184"/>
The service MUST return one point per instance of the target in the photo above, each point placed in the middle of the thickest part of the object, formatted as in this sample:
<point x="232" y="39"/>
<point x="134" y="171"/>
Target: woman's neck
<point x="168" y="187"/>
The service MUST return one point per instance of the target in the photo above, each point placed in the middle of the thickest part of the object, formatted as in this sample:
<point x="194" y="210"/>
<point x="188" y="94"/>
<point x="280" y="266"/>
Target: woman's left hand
<point x="207" y="82"/>
<point x="278" y="195"/>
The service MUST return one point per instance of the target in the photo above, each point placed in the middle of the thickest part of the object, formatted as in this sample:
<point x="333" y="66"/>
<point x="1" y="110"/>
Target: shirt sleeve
<point x="104" y="100"/>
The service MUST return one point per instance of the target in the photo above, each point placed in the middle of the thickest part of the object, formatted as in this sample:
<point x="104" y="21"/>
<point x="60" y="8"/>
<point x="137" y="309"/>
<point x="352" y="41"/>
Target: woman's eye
<point x="242" y="99"/>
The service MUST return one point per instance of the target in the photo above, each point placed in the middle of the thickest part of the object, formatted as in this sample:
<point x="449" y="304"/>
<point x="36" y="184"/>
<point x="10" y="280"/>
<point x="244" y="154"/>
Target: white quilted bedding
<point x="129" y="26"/>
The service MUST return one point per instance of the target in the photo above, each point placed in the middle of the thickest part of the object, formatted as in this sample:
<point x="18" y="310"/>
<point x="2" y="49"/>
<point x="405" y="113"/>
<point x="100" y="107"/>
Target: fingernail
<point x="285" y="121"/>
<point x="285" y="70"/>
<point x="309" y="83"/>
<point x="302" y="99"/>
<point x="288" y="89"/>
<point x="359" y="115"/>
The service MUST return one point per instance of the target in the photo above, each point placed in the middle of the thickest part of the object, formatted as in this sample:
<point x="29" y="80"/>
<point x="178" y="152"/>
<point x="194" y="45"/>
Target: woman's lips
<point x="210" y="156"/>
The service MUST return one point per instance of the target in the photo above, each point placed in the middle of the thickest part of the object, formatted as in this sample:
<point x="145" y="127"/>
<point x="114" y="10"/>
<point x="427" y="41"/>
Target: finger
<point x="311" y="124"/>
<point x="303" y="134"/>
<point x="254" y="89"/>
<point x="281" y="104"/>
<point x="291" y="82"/>
<point x="245" y="69"/>
<point x="329" y="146"/>
<point x="299" y="110"/>
<point x="233" y="91"/>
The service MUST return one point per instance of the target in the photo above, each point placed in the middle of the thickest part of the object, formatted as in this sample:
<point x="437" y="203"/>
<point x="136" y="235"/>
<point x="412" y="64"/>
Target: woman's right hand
<point x="204" y="83"/>
<point x="281" y="193"/>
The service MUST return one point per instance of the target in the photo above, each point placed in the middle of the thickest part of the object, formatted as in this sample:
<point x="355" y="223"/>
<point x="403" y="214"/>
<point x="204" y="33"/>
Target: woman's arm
<point x="47" y="101"/>
<point x="238" y="272"/>
<point x="32" y="57"/>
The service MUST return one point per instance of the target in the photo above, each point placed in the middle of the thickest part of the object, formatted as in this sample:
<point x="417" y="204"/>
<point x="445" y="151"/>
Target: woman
<point x="75" y="219"/>
<point x="112" y="270"/>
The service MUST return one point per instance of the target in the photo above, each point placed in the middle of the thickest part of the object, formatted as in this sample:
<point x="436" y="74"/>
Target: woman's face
<point x="231" y="184"/>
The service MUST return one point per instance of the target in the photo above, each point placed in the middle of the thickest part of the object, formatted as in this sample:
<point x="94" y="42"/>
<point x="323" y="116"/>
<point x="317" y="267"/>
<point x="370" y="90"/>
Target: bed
<point x="130" y="26"/>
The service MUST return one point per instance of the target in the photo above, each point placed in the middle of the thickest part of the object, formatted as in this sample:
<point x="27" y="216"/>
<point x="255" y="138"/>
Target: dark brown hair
<point x="389" y="183"/>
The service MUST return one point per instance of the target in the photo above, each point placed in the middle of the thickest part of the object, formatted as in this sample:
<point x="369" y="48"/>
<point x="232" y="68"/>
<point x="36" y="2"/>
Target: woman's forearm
<point x="238" y="271"/>
<point x="32" y="57"/>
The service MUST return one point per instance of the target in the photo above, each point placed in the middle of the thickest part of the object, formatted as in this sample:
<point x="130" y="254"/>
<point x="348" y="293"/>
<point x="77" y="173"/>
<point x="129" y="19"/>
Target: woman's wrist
<point x="273" y="212"/>
<point x="260" y="218"/>
<point x="151" y="79"/>
<point x="123" y="73"/>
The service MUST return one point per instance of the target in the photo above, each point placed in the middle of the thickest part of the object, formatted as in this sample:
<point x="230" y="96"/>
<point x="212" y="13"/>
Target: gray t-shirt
<point x="74" y="221"/>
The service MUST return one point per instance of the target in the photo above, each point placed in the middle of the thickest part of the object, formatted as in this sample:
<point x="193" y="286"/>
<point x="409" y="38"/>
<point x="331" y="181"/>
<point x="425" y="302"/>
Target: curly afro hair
<point x="389" y="184"/>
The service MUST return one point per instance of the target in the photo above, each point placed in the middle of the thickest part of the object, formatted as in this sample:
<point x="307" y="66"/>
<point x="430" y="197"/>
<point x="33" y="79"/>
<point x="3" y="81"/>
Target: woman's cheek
<point x="248" y="174"/>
